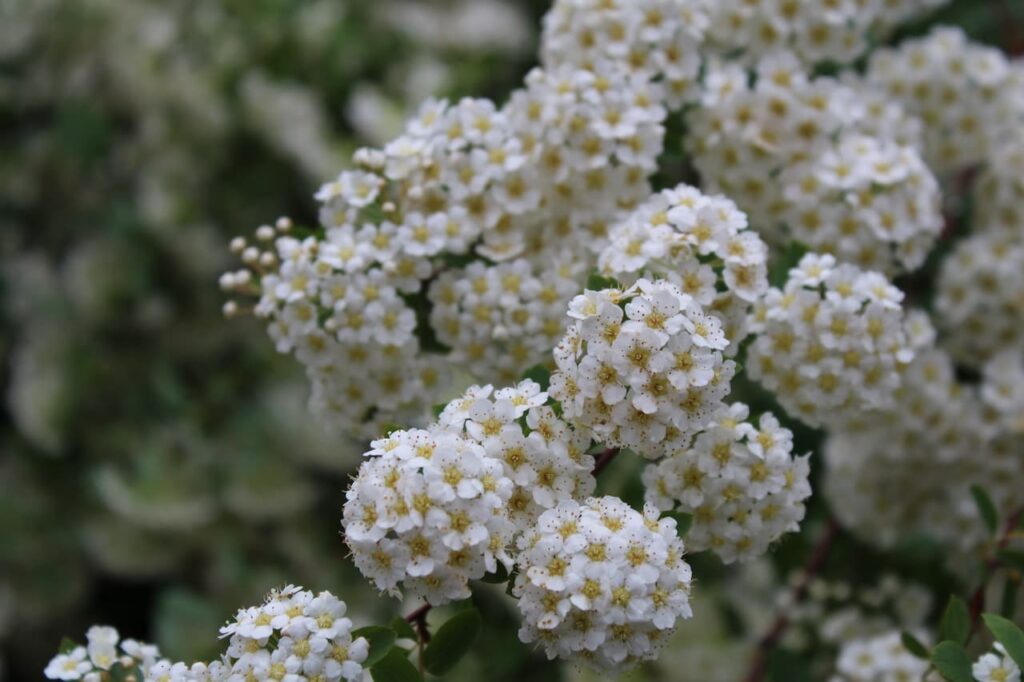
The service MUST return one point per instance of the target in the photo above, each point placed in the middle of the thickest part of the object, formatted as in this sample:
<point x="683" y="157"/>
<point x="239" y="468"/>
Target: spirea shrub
<point x="595" y="325"/>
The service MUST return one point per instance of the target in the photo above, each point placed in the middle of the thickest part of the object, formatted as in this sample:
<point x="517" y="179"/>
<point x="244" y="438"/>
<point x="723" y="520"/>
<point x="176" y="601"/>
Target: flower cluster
<point x="500" y="319"/>
<point x="538" y="178"/>
<point x="831" y="342"/>
<point x="294" y="635"/>
<point x="830" y="164"/>
<point x="967" y="95"/>
<point x="1002" y="390"/>
<point x="428" y="510"/>
<point x="999" y="189"/>
<point x="867" y="201"/>
<point x="601" y="582"/>
<point x="699" y="243"/>
<point x="816" y="30"/>
<point x="882" y="657"/>
<point x="544" y="456"/>
<point x="654" y="39"/>
<point x="739" y="482"/>
<point x="980" y="292"/>
<point x="642" y="367"/>
<point x="890" y="473"/>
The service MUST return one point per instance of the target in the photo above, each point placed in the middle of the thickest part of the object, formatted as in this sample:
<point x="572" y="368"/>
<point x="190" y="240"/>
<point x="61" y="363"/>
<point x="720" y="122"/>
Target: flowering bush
<point x="741" y="279"/>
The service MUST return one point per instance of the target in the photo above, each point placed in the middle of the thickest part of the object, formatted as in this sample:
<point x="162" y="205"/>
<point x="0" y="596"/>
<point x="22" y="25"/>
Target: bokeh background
<point x="158" y="467"/>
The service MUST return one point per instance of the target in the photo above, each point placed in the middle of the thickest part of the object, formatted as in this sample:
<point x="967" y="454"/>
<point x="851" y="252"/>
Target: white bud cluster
<point x="832" y="165"/>
<point x="499" y="319"/>
<point x="881" y="657"/>
<point x="739" y="482"/>
<point x="831" y="342"/>
<point x="642" y="367"/>
<point x="602" y="583"/>
<point x="544" y="456"/>
<point x="968" y="95"/>
<point x="980" y="293"/>
<point x="428" y="510"/>
<point x="654" y="39"/>
<point x="891" y="473"/>
<point x="699" y="243"/>
<point x="816" y="30"/>
<point x="294" y="635"/>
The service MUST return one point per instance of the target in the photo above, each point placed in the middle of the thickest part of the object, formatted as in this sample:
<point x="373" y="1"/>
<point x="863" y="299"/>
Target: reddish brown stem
<point x="976" y="602"/>
<point x="603" y="459"/>
<point x="759" y="664"/>
<point x="419" y="619"/>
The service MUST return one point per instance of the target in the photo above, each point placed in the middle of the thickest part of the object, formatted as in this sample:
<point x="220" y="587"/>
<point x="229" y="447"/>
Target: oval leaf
<point x="952" y="661"/>
<point x="402" y="628"/>
<point x="956" y="622"/>
<point x="914" y="645"/>
<point x="451" y="642"/>
<point x="380" y="639"/>
<point x="1007" y="634"/>
<point x="395" y="667"/>
<point x="986" y="508"/>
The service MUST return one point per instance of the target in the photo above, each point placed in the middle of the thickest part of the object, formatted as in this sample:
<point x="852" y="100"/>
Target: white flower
<point x="70" y="666"/>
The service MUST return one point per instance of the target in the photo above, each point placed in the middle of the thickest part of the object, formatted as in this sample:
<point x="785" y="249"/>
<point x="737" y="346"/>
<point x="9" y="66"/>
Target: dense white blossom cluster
<point x="999" y="189"/>
<point x="891" y="473"/>
<point x="642" y="367"/>
<point x="428" y="510"/>
<point x="498" y="320"/>
<point x="739" y="482"/>
<point x="433" y="509"/>
<point x="831" y="342"/>
<point x="1002" y="390"/>
<point x="699" y="243"/>
<point x="968" y="95"/>
<point x="544" y="456"/>
<point x="830" y="164"/>
<point x="653" y="39"/>
<point x="882" y="658"/>
<point x="601" y="582"/>
<point x="816" y="30"/>
<point x="868" y="201"/>
<point x="980" y="293"/>
<point x="294" y="635"/>
<point x="519" y="186"/>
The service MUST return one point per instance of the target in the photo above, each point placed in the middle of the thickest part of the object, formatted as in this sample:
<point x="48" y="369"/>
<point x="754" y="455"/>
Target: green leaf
<point x="67" y="645"/>
<point x="438" y="409"/>
<point x="380" y="639"/>
<point x="395" y="667"/>
<point x="914" y="645"/>
<point x="1007" y="634"/>
<point x="952" y="661"/>
<point x="956" y="622"/>
<point x="683" y="521"/>
<point x="986" y="508"/>
<point x="540" y="374"/>
<point x="597" y="282"/>
<point x="120" y="673"/>
<point x="451" y="642"/>
<point x="498" y="577"/>
<point x="402" y="628"/>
